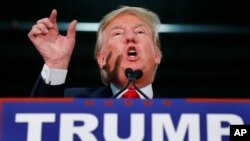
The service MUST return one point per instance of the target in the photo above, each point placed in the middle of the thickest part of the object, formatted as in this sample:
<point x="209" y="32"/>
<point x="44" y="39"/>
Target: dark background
<point x="195" y="64"/>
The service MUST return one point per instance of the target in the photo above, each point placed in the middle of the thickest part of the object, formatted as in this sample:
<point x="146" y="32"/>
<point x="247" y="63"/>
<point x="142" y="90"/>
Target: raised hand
<point x="55" y="49"/>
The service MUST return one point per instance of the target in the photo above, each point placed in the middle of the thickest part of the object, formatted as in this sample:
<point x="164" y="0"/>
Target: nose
<point x="130" y="37"/>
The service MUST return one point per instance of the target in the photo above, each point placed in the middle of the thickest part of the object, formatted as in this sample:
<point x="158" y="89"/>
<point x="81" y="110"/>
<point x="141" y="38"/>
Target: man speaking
<point x="127" y="52"/>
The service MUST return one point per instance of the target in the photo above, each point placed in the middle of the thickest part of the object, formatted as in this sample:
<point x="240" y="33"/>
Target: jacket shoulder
<point x="101" y="92"/>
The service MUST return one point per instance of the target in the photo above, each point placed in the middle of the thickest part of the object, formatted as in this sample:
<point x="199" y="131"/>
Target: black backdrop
<point x="195" y="64"/>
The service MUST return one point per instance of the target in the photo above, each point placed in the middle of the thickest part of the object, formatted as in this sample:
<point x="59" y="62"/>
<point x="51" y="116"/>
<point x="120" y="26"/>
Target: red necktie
<point x="131" y="93"/>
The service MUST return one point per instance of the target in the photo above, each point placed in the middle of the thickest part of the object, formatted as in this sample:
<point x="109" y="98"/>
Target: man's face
<point x="127" y="42"/>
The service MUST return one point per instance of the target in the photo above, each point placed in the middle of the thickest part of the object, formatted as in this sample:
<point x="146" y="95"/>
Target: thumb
<point x="71" y="33"/>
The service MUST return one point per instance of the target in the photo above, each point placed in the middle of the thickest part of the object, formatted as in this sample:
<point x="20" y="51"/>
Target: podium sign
<point x="68" y="119"/>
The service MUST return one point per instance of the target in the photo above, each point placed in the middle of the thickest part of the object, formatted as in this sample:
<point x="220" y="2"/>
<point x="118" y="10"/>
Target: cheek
<point x="114" y="46"/>
<point x="149" y="50"/>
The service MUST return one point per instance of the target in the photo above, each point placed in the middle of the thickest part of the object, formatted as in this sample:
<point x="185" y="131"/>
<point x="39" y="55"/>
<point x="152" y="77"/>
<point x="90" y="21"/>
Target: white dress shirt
<point x="53" y="76"/>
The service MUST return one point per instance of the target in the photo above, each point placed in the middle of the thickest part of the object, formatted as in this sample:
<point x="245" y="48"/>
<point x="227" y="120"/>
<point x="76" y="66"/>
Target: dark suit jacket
<point x="41" y="89"/>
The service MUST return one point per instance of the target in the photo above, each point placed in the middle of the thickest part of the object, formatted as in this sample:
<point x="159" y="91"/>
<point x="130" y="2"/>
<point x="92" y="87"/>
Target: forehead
<point x="124" y="20"/>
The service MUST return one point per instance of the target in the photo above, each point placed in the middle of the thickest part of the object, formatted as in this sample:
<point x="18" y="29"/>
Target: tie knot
<point x="131" y="93"/>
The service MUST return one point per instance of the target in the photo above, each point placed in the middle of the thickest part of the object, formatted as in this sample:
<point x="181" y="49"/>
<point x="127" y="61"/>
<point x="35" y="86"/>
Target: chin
<point x="121" y="80"/>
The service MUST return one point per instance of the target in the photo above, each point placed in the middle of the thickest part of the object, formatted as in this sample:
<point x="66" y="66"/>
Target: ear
<point x="101" y="60"/>
<point x="158" y="56"/>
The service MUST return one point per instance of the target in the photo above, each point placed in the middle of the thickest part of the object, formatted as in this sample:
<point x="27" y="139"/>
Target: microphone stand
<point x="144" y="95"/>
<point x="132" y="75"/>
<point x="129" y="73"/>
<point x="138" y="74"/>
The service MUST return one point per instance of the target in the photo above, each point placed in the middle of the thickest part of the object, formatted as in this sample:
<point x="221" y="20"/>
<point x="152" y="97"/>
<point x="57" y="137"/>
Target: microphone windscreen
<point x="138" y="74"/>
<point x="129" y="72"/>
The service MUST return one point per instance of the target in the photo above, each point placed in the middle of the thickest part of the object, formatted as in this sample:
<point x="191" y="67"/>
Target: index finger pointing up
<point x="52" y="16"/>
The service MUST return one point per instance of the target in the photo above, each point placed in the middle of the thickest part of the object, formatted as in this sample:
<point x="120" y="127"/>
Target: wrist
<point x="57" y="64"/>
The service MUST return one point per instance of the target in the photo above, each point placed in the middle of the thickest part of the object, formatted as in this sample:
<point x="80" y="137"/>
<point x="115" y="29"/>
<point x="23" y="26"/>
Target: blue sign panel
<point x="69" y="119"/>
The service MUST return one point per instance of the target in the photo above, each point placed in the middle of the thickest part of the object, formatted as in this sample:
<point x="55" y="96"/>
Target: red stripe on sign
<point x="89" y="102"/>
<point x="218" y="100"/>
<point x="109" y="103"/>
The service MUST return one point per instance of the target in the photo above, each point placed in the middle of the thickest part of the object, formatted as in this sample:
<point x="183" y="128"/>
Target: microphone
<point x="132" y="75"/>
<point x="129" y="74"/>
<point x="137" y="75"/>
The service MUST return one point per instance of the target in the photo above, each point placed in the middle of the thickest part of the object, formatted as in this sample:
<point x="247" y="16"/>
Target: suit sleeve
<point x="41" y="89"/>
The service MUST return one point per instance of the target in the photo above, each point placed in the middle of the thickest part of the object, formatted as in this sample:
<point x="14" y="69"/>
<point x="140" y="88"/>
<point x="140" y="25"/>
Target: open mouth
<point x="132" y="54"/>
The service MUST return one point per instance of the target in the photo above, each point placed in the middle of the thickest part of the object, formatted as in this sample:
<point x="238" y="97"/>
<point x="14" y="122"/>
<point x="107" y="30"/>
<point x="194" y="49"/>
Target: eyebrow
<point x="141" y="25"/>
<point x="116" y="27"/>
<point x="136" y="26"/>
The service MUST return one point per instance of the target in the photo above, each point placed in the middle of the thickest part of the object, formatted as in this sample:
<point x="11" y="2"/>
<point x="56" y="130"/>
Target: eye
<point x="117" y="33"/>
<point x="140" y="32"/>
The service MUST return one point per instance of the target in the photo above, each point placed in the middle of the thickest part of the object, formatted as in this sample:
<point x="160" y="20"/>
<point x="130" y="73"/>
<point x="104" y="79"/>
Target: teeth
<point x="132" y="53"/>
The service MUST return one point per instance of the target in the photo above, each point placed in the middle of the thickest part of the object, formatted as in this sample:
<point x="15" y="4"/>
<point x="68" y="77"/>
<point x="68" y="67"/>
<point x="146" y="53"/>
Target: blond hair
<point x="149" y="17"/>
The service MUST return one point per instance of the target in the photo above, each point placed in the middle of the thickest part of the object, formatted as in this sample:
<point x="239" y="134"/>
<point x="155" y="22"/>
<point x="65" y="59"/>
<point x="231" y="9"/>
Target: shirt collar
<point x="147" y="90"/>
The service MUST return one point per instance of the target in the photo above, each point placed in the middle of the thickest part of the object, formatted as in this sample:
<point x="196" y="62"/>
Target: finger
<point x="71" y="33"/>
<point x="45" y="21"/>
<point x="41" y="27"/>
<point x="34" y="32"/>
<point x="52" y="16"/>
